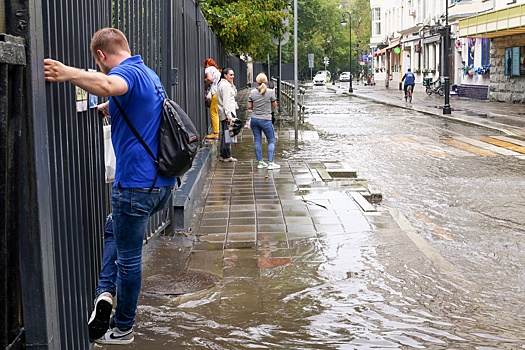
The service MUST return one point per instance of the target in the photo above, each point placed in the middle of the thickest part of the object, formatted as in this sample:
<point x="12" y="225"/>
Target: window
<point x="471" y="50"/>
<point x="420" y="11"/>
<point x="485" y="52"/>
<point x="376" y="21"/>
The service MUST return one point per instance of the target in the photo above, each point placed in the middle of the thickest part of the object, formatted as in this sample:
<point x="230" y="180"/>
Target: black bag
<point x="178" y="139"/>
<point x="236" y="126"/>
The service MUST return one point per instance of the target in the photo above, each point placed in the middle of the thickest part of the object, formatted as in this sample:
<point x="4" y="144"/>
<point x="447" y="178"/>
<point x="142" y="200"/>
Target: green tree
<point x="320" y="32"/>
<point x="245" y="26"/>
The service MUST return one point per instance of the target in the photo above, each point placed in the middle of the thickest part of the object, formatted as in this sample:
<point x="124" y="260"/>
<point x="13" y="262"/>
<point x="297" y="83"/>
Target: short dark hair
<point x="110" y="40"/>
<point x="409" y="69"/>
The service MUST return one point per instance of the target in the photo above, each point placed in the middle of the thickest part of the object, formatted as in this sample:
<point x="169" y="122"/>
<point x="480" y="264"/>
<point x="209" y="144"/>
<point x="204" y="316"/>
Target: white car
<point x="345" y="76"/>
<point x="322" y="77"/>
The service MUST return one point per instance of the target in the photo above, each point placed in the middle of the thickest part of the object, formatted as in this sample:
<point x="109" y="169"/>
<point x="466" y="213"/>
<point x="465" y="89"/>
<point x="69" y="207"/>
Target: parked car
<point x="322" y="77"/>
<point x="345" y="76"/>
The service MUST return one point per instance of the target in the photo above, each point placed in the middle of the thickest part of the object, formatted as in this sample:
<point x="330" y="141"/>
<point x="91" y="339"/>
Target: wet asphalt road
<point x="458" y="185"/>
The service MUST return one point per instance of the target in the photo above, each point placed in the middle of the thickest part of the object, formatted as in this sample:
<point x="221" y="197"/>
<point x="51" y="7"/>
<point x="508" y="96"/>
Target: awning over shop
<point x="493" y="24"/>
<point x="431" y="39"/>
<point x="380" y="52"/>
<point x="393" y="45"/>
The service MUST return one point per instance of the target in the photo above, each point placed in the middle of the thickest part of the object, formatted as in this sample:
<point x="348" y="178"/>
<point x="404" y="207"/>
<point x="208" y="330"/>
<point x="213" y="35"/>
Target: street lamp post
<point x="344" y="22"/>
<point x="446" y="43"/>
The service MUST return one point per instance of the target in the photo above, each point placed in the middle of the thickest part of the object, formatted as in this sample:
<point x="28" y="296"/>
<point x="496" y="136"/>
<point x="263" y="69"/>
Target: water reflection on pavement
<point x="358" y="282"/>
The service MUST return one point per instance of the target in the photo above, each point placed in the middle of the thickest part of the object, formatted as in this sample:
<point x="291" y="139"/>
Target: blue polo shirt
<point x="409" y="78"/>
<point x="143" y="106"/>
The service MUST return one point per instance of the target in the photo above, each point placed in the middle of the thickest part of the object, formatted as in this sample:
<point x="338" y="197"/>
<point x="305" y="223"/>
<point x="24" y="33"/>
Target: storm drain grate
<point x="179" y="283"/>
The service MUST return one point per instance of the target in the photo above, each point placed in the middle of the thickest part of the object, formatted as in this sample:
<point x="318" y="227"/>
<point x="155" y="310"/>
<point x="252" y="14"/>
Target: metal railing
<point x="12" y="68"/>
<point x="286" y="103"/>
<point x="55" y="199"/>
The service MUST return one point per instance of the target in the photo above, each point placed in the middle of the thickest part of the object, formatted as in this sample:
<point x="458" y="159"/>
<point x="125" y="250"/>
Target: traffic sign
<point x="284" y="40"/>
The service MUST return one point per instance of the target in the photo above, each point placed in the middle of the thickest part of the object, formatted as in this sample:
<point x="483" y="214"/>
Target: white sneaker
<point x="262" y="164"/>
<point x="273" y="166"/>
<point x="98" y="323"/>
<point x="116" y="336"/>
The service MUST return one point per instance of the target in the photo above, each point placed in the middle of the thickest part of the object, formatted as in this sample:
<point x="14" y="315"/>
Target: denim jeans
<point x="259" y="126"/>
<point x="124" y="233"/>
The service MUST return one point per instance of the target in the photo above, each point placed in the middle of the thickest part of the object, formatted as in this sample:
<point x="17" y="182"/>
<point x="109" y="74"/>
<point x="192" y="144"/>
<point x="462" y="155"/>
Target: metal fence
<point x="11" y="86"/>
<point x="55" y="196"/>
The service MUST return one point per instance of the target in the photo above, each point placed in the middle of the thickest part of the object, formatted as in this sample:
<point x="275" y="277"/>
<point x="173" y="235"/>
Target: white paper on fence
<point x="109" y="155"/>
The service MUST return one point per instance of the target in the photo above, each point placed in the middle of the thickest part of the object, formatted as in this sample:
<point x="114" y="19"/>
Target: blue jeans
<point x="124" y="233"/>
<point x="259" y="126"/>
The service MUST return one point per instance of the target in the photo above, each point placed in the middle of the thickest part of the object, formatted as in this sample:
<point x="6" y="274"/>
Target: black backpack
<point x="178" y="139"/>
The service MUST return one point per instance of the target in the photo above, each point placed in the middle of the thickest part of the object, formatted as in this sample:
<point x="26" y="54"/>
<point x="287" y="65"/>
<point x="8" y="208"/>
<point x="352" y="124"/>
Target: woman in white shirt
<point x="226" y="92"/>
<point x="213" y="75"/>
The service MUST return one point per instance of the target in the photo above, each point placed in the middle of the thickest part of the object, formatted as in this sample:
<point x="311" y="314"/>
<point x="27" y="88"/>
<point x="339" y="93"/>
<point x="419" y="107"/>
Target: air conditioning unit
<point x="411" y="11"/>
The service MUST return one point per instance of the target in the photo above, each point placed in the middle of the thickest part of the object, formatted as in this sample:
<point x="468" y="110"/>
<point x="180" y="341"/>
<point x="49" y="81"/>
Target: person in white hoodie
<point x="226" y="92"/>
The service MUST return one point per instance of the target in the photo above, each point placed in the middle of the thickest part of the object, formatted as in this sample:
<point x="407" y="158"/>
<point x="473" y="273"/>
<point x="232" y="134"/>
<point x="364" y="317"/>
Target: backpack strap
<point x="140" y="139"/>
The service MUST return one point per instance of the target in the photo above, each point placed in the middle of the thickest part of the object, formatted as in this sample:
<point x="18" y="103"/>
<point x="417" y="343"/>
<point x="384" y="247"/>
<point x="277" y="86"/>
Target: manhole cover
<point x="179" y="283"/>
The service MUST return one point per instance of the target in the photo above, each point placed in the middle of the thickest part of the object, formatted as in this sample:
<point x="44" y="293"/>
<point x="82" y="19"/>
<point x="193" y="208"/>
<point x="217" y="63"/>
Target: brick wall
<point x="480" y="92"/>
<point x="505" y="88"/>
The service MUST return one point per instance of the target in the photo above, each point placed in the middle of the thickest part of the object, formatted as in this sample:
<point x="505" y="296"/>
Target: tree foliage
<point x="246" y="27"/>
<point x="320" y="32"/>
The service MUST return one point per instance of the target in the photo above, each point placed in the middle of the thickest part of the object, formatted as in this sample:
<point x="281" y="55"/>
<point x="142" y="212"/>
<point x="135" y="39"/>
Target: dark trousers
<point x="225" y="149"/>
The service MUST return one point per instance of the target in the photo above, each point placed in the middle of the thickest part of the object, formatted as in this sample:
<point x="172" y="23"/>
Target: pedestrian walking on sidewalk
<point x="129" y="81"/>
<point x="213" y="75"/>
<point x="261" y="101"/>
<point x="226" y="92"/>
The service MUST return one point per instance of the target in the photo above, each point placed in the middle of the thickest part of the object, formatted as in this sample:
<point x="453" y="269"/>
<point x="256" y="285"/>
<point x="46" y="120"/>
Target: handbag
<point x="110" y="161"/>
<point x="208" y="97"/>
<point x="178" y="138"/>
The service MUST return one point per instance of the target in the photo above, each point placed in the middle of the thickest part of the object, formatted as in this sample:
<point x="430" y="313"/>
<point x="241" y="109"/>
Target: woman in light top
<point x="213" y="75"/>
<point x="226" y="92"/>
<point x="261" y="101"/>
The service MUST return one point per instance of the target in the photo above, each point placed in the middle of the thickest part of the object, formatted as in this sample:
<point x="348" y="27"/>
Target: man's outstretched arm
<point x="95" y="83"/>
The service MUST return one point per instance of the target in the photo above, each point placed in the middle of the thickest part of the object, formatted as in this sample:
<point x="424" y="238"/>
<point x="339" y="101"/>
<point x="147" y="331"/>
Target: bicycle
<point x="408" y="95"/>
<point x="433" y="87"/>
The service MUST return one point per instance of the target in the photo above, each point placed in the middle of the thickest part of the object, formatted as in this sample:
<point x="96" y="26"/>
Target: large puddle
<point x="371" y="287"/>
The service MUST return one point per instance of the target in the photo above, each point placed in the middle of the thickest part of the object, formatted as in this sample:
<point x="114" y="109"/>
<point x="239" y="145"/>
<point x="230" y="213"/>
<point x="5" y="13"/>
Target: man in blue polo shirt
<point x="127" y="79"/>
<point x="409" y="79"/>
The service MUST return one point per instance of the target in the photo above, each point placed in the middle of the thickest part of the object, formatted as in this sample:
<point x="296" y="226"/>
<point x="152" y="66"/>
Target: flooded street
<point x="466" y="201"/>
<point x="438" y="265"/>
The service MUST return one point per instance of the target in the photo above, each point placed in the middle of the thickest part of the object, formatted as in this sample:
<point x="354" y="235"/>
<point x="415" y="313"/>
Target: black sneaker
<point x="117" y="337"/>
<point x="98" y="323"/>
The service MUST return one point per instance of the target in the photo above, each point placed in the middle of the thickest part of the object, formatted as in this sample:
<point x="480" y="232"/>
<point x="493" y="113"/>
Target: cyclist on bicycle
<point x="410" y="80"/>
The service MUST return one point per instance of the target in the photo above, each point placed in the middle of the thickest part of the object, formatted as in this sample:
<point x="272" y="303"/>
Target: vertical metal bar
<point x="5" y="262"/>
<point x="446" y="62"/>
<point x="11" y="91"/>
<point x="296" y="82"/>
<point x="32" y="185"/>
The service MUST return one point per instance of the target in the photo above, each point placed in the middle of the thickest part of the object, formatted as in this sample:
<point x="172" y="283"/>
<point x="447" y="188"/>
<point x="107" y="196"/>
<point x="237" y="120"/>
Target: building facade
<point x="410" y="34"/>
<point x="496" y="36"/>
